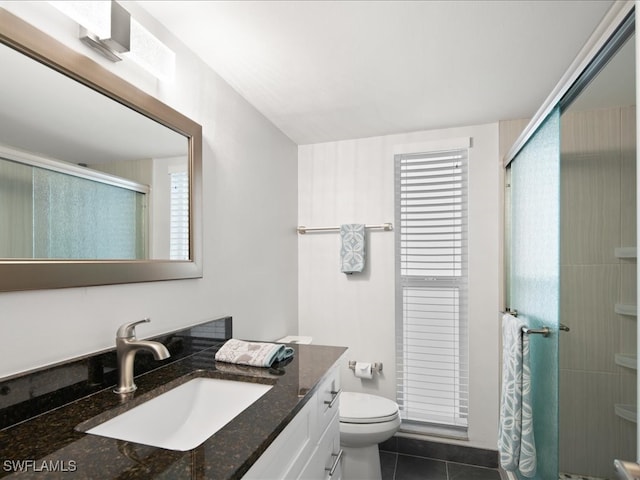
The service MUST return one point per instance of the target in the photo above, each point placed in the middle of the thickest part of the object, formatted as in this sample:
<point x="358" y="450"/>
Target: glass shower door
<point x="534" y="277"/>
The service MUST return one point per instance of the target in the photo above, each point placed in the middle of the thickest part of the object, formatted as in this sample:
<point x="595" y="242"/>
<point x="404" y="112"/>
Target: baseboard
<point x="441" y="451"/>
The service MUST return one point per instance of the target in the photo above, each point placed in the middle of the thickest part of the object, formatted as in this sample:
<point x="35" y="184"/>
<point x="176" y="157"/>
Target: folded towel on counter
<point x="352" y="253"/>
<point x="256" y="354"/>
<point x="516" y="443"/>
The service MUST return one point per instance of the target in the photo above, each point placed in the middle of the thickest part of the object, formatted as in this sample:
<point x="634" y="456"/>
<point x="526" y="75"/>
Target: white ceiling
<point x="331" y="70"/>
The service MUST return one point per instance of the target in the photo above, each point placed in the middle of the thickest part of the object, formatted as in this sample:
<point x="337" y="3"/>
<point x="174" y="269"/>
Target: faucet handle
<point x="128" y="330"/>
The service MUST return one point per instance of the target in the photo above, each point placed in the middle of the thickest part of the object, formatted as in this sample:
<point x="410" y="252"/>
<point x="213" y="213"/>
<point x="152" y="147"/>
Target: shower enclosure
<point x="571" y="260"/>
<point x="598" y="272"/>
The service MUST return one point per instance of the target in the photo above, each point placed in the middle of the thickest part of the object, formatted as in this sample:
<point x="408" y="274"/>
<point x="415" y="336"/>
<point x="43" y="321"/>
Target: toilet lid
<point x="365" y="408"/>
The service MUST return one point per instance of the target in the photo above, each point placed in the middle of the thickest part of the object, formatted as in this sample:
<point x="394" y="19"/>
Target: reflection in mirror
<point x="88" y="178"/>
<point x="100" y="183"/>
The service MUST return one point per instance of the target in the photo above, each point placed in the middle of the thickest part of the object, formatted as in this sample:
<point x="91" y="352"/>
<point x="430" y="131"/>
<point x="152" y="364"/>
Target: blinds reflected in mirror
<point x="179" y="221"/>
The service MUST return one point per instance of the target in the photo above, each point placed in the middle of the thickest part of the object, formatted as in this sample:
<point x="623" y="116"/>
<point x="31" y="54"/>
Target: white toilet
<point x="365" y="421"/>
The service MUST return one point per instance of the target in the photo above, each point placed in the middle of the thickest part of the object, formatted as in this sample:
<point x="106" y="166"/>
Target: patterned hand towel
<point x="256" y="354"/>
<point x="516" y="443"/>
<point x="352" y="254"/>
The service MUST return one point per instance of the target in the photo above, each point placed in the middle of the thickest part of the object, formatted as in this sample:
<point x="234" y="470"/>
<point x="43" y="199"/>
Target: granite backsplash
<point x="28" y="395"/>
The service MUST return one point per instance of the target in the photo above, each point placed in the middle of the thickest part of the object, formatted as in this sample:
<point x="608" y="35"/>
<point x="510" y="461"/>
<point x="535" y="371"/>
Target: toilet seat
<point x="364" y="408"/>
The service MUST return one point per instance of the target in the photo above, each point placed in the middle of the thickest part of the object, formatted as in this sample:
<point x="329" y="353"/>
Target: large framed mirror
<point x="100" y="183"/>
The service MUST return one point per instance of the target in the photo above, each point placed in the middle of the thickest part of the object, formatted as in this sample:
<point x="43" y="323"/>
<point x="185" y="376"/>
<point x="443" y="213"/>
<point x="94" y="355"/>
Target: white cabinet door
<point x="289" y="452"/>
<point x="325" y="463"/>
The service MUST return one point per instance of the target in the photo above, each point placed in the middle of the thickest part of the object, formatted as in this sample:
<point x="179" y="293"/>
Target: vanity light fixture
<point x="150" y="53"/>
<point x="94" y="16"/>
<point x="108" y="28"/>
<point x="118" y="40"/>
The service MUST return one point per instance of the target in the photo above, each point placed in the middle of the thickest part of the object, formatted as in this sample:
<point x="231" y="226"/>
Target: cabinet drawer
<point x="325" y="463"/>
<point x="328" y="399"/>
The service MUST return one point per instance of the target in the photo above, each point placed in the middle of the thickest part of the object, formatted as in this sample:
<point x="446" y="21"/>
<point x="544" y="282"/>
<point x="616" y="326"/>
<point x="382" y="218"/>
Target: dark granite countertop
<point x="51" y="443"/>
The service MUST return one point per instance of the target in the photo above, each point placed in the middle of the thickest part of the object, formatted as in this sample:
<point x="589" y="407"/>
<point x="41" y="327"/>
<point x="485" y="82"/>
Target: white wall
<point x="250" y="211"/>
<point x="352" y="182"/>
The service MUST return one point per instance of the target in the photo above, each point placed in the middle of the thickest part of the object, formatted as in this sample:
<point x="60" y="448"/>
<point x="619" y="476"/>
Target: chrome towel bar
<point x="302" y="229"/>
<point x="544" y="331"/>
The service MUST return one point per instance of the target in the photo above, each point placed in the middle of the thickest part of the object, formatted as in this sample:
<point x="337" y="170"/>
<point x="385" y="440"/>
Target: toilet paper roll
<point x="363" y="370"/>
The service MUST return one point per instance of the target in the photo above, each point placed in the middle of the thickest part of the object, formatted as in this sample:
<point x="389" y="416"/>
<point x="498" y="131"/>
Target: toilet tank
<point x="295" y="339"/>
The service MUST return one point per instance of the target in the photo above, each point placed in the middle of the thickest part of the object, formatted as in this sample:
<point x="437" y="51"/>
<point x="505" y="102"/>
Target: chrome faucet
<point x="126" y="347"/>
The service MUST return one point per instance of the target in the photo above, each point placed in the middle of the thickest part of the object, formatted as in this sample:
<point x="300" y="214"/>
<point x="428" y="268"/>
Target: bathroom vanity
<point x="309" y="447"/>
<point x="289" y="432"/>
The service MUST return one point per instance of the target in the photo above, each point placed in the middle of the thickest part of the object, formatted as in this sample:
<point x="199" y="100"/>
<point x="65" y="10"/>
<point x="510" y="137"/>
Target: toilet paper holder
<point x="375" y="367"/>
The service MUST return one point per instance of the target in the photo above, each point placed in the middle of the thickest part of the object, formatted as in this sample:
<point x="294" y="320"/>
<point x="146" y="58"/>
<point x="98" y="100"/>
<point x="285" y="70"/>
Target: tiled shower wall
<point x="598" y="215"/>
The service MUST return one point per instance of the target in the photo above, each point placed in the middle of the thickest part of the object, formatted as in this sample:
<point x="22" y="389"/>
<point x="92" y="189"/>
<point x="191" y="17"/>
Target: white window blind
<point x="431" y="265"/>
<point x="179" y="221"/>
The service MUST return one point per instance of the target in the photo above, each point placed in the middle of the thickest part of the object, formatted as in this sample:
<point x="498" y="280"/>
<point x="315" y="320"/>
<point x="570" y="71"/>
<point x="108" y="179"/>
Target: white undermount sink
<point x="184" y="417"/>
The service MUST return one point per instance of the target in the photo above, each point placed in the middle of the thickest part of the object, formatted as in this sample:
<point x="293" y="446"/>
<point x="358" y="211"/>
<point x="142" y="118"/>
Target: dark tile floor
<point x="396" y="466"/>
